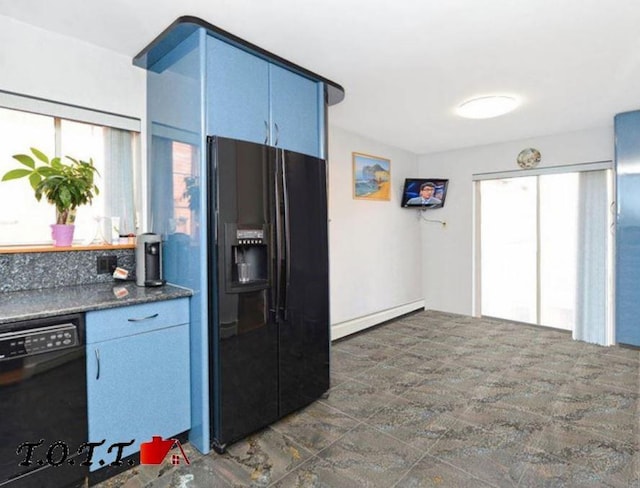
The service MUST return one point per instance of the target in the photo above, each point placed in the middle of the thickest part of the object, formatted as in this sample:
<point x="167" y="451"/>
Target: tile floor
<point x="443" y="400"/>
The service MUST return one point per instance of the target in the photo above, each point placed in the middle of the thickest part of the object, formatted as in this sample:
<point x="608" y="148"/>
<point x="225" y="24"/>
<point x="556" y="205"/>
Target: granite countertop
<point x="48" y="302"/>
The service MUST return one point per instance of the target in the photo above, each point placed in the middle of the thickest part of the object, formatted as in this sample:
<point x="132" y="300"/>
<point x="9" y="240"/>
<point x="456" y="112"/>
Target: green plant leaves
<point x="25" y="159"/>
<point x="15" y="174"/>
<point x="35" y="180"/>
<point x="46" y="171"/>
<point x="64" y="197"/>
<point x="64" y="185"/>
<point x="40" y="155"/>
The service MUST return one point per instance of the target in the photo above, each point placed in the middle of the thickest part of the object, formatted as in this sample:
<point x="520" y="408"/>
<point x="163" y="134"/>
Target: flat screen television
<point x="424" y="193"/>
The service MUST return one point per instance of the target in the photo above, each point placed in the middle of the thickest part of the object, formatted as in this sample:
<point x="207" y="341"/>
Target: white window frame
<point x="570" y="168"/>
<point x="67" y="111"/>
<point x="60" y="110"/>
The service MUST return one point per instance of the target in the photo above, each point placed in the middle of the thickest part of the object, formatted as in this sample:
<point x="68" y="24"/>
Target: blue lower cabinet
<point x="137" y="384"/>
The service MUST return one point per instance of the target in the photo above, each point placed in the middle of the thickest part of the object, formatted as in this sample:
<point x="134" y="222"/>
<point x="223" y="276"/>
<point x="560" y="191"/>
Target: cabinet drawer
<point x="103" y="325"/>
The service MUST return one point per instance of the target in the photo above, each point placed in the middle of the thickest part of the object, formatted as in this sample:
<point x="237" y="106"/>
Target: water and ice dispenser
<point x="247" y="261"/>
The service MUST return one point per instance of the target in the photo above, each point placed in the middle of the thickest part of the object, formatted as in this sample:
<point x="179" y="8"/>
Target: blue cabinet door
<point x="237" y="93"/>
<point x="295" y="112"/>
<point x="250" y="99"/>
<point x="627" y="131"/>
<point x="137" y="387"/>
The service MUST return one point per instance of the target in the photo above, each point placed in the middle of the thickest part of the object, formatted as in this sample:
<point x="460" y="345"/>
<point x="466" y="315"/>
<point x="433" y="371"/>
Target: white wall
<point x="384" y="261"/>
<point x="447" y="255"/>
<point x="47" y="65"/>
<point x="44" y="64"/>
<point x="375" y="261"/>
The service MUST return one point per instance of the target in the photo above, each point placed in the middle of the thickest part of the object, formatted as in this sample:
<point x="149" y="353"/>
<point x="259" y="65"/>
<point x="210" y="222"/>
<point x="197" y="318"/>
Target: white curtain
<point x="119" y="171"/>
<point x="592" y="293"/>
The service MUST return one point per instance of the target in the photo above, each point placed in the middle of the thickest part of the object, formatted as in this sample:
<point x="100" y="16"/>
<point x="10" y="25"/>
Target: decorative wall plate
<point x="529" y="158"/>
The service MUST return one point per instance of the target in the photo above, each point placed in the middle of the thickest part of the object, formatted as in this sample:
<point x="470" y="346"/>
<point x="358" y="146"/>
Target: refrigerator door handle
<point x="287" y="238"/>
<point x="278" y="242"/>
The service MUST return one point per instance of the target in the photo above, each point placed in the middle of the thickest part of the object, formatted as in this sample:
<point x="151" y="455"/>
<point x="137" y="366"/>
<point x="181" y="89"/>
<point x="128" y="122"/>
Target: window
<point x="185" y="186"/>
<point x="23" y="220"/>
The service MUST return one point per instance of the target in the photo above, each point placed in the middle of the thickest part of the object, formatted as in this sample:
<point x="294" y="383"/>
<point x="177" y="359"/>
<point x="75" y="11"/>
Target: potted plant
<point x="64" y="185"/>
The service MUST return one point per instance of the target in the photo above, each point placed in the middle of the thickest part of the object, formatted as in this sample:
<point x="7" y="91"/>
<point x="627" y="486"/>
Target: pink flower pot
<point x="62" y="234"/>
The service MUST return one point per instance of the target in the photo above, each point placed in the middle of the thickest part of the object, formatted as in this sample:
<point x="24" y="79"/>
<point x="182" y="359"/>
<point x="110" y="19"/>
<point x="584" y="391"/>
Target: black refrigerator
<point x="268" y="285"/>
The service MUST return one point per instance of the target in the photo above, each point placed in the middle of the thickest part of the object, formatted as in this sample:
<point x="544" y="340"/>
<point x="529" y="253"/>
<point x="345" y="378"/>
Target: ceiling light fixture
<point x="487" y="107"/>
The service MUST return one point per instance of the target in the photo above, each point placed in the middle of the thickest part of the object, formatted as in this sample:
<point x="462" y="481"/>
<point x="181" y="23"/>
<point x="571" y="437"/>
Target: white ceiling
<point x="406" y="64"/>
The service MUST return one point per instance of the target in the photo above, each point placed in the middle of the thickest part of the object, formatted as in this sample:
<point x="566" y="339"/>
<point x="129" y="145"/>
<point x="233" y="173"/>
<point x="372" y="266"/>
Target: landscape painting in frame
<point x="371" y="177"/>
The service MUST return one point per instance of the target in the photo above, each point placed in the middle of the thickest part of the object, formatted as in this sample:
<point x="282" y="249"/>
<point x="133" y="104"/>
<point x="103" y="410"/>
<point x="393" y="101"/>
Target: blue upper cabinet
<point x="295" y="112"/>
<point x="237" y="91"/>
<point x="627" y="130"/>
<point x="246" y="92"/>
<point x="251" y="99"/>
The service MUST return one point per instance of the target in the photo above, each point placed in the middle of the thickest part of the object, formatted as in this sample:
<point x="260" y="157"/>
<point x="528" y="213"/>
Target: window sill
<point x="49" y="248"/>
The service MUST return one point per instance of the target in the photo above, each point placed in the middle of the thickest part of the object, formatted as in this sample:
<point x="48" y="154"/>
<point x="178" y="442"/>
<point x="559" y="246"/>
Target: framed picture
<point x="371" y="177"/>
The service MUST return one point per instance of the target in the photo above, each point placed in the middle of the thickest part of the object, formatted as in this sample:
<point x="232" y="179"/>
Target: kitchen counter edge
<point x="49" y="302"/>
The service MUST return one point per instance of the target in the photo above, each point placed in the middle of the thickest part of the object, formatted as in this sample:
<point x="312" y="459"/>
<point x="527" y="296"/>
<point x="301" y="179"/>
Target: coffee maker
<point x="149" y="260"/>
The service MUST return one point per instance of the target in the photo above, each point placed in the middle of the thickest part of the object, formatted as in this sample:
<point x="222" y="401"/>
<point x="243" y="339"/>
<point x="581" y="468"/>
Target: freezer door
<point x="303" y="339"/>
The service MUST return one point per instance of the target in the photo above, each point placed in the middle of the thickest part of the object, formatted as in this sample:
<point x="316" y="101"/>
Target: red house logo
<point x="156" y="451"/>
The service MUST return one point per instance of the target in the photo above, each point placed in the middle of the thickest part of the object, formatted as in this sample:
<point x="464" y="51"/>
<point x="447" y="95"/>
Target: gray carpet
<point x="443" y="400"/>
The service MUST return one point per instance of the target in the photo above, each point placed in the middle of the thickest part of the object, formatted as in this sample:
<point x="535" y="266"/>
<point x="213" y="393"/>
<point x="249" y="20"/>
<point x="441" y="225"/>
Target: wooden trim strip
<point x="49" y="248"/>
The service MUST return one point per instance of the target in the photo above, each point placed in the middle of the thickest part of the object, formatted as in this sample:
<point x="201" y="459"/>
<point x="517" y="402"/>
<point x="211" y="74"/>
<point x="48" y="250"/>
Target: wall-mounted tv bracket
<point x="421" y="217"/>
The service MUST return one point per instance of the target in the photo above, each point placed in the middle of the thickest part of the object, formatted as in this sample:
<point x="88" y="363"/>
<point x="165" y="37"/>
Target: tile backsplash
<point x="33" y="271"/>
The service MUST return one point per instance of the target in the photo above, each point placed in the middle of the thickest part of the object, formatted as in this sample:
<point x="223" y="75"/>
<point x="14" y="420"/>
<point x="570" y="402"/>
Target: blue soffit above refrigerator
<point x="186" y="25"/>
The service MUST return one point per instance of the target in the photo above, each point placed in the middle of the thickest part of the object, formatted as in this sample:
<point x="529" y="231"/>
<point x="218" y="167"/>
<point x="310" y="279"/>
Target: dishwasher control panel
<point x="34" y="341"/>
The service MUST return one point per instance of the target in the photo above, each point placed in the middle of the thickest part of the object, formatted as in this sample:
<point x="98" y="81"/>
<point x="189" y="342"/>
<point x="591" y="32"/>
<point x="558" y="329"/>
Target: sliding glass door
<point x="508" y="248"/>
<point x="544" y="243"/>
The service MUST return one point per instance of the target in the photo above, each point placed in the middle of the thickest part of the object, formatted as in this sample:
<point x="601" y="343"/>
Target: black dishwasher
<point x="43" y="403"/>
